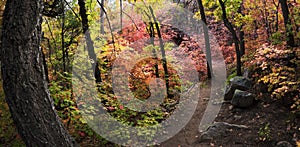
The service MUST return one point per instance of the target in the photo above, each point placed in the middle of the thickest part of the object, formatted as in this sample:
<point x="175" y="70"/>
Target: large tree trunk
<point x="24" y="80"/>
<point x="287" y="23"/>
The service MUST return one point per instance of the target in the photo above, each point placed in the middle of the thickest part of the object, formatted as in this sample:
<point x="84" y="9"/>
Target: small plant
<point x="264" y="133"/>
<point x="276" y="38"/>
<point x="230" y="76"/>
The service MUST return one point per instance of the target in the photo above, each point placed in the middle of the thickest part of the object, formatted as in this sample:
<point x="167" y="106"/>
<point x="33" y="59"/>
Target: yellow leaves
<point x="270" y="52"/>
<point x="280" y="92"/>
<point x="275" y="68"/>
<point x="272" y="78"/>
<point x="264" y="51"/>
<point x="197" y="15"/>
<point x="298" y="143"/>
<point x="276" y="75"/>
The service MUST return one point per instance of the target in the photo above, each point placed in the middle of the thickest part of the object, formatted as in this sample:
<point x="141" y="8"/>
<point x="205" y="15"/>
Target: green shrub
<point x="276" y="38"/>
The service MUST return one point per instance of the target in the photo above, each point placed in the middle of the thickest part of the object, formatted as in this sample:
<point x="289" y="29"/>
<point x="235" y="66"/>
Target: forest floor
<point x="268" y="121"/>
<point x="283" y="126"/>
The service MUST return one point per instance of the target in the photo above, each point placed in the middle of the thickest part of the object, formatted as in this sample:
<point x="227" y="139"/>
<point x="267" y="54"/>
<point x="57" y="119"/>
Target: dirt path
<point x="189" y="134"/>
<point x="209" y="94"/>
<point x="282" y="124"/>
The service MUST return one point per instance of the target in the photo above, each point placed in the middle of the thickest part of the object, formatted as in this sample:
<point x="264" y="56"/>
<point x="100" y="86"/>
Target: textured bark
<point x="24" y="80"/>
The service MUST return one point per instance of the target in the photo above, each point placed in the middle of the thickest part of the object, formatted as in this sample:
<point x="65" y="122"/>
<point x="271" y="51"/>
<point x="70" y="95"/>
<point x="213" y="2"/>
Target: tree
<point x="102" y="19"/>
<point x="206" y="37"/>
<point x="241" y="31"/>
<point x="287" y="23"/>
<point x="230" y="27"/>
<point x="89" y="42"/>
<point x="24" y="80"/>
<point x="162" y="50"/>
<point x="276" y="15"/>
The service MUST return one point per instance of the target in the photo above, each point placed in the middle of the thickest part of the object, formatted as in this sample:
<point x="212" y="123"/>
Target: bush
<point x="276" y="69"/>
<point x="276" y="38"/>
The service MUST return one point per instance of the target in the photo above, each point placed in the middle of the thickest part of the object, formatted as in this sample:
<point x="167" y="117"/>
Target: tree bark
<point x="102" y="19"/>
<point x="24" y="80"/>
<point x="89" y="42"/>
<point x="287" y="23"/>
<point x="63" y="36"/>
<point x="242" y="40"/>
<point x="162" y="50"/>
<point x="152" y="36"/>
<point x="121" y="15"/>
<point x="207" y="42"/>
<point x="276" y="15"/>
<point x="241" y="31"/>
<point x="266" y="20"/>
<point x="230" y="27"/>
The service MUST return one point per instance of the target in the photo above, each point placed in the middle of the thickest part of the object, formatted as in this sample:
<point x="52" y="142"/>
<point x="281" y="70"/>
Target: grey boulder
<point x="238" y="82"/>
<point x="242" y="99"/>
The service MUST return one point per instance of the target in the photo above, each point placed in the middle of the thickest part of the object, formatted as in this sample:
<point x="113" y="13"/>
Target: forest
<point x="165" y="73"/>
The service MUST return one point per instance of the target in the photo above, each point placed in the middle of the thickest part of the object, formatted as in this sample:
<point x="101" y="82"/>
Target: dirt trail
<point x="209" y="94"/>
<point x="189" y="134"/>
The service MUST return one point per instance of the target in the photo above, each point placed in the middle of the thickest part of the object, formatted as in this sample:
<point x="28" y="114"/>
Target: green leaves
<point x="264" y="133"/>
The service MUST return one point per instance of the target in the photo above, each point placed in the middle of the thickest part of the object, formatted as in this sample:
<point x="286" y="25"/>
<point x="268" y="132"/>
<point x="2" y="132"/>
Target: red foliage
<point x="137" y="37"/>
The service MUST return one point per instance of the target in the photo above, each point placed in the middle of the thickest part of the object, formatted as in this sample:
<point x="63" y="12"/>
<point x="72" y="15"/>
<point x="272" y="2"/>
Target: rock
<point x="242" y="99"/>
<point x="237" y="117"/>
<point x="229" y="93"/>
<point x="219" y="129"/>
<point x="284" y="144"/>
<point x="246" y="73"/>
<point x="241" y="83"/>
<point x="238" y="82"/>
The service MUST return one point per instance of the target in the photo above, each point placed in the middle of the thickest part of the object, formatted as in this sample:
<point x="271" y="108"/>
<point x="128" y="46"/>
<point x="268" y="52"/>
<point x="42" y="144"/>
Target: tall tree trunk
<point x="276" y="15"/>
<point x="207" y="42"/>
<point x="121" y="15"/>
<point x="287" y="23"/>
<point x="242" y="40"/>
<point x="102" y="19"/>
<point x="152" y="35"/>
<point x="266" y="19"/>
<point x="230" y="27"/>
<point x="63" y="36"/>
<point x="162" y="49"/>
<point x="24" y="80"/>
<point x="89" y="42"/>
<point x="241" y="31"/>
